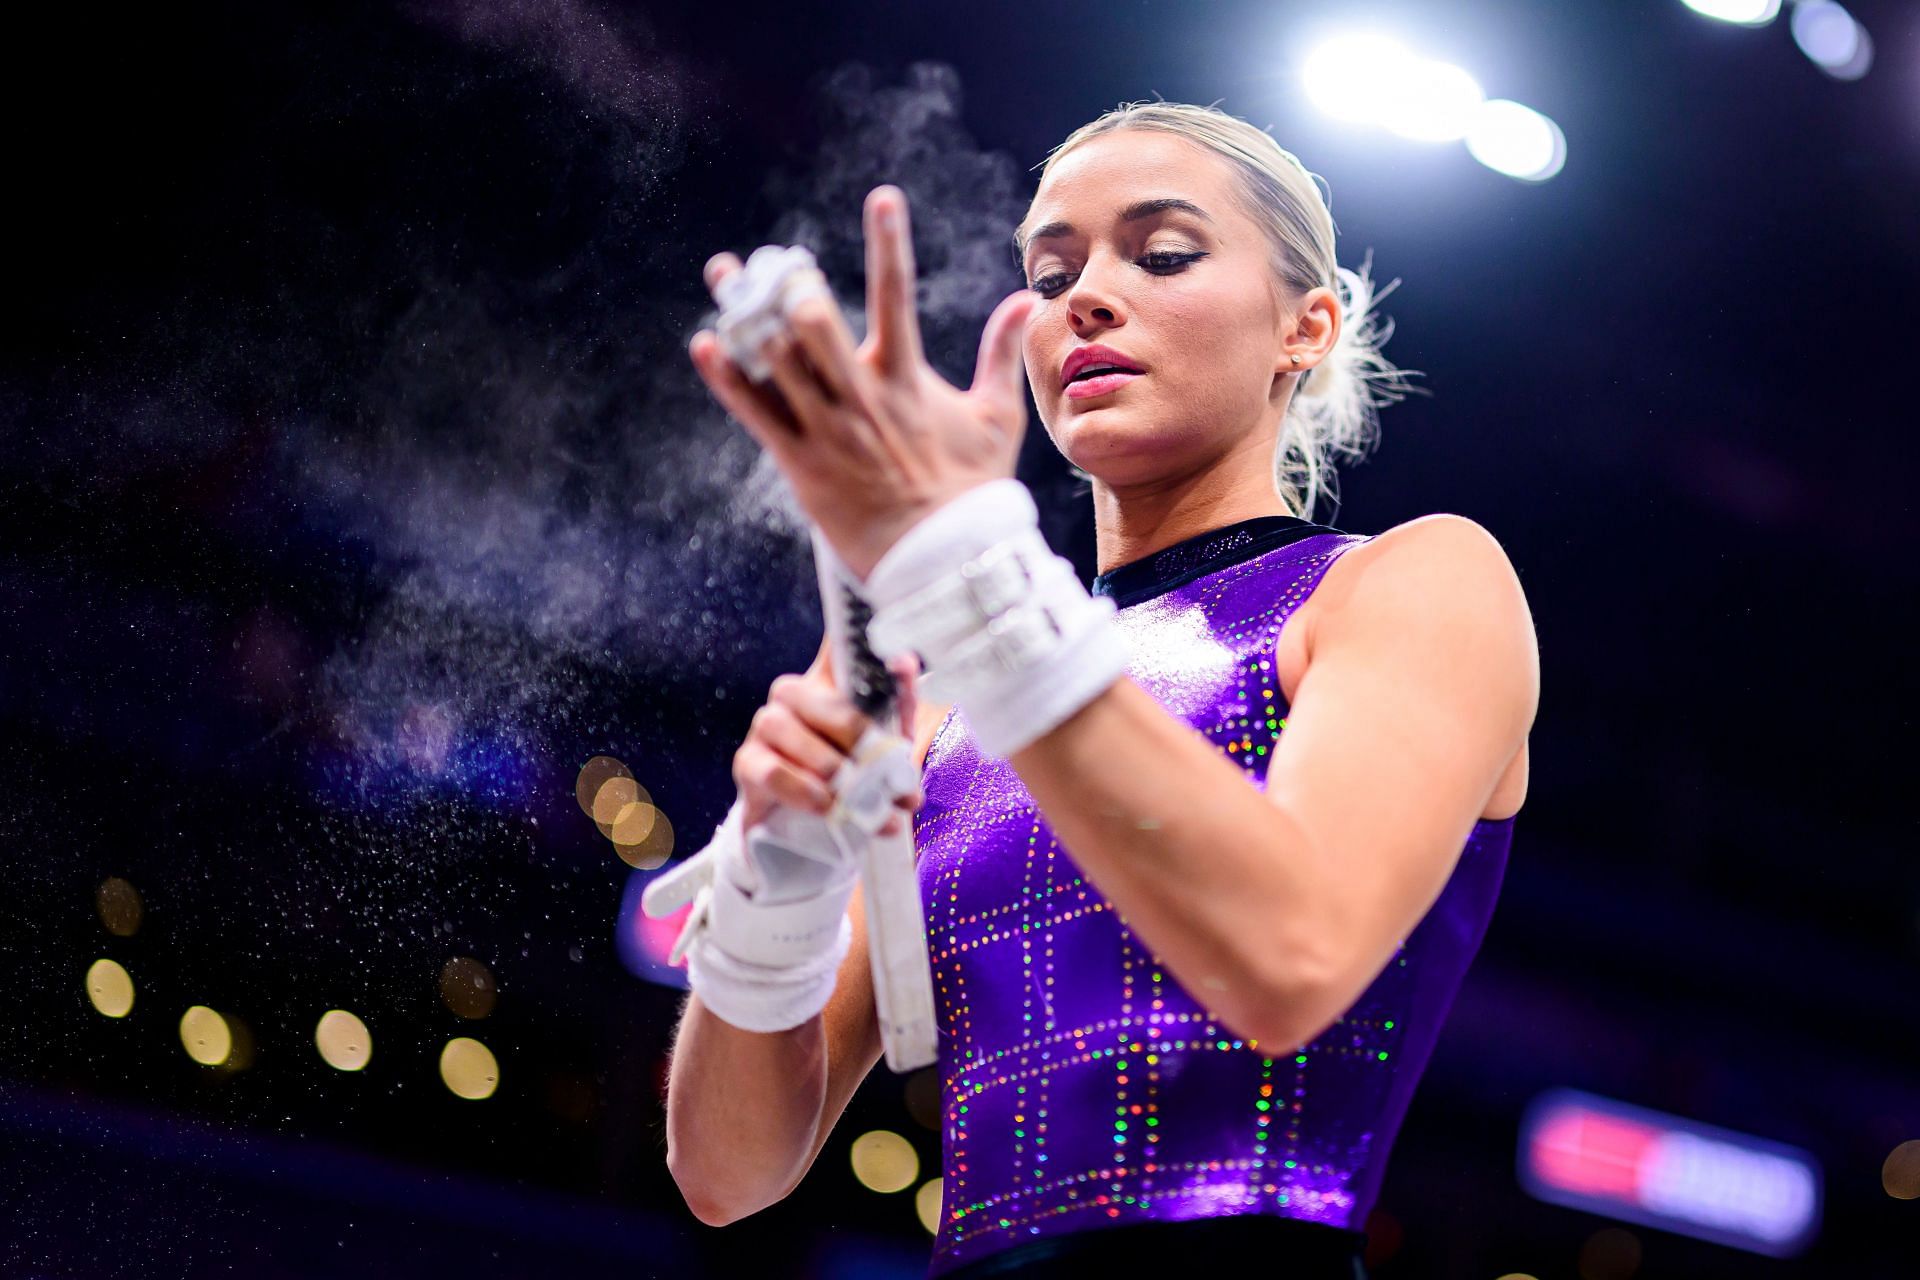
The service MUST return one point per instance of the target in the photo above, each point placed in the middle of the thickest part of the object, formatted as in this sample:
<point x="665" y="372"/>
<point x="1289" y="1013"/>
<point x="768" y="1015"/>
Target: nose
<point x="1093" y="301"/>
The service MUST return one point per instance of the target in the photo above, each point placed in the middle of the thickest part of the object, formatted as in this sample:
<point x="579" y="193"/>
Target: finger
<point x="820" y="327"/>
<point x="1000" y="374"/>
<point x="758" y="768"/>
<point x="718" y="268"/>
<point x="779" y="727"/>
<point x="893" y="320"/>
<point x="827" y="711"/>
<point x="764" y="414"/>
<point x="799" y="383"/>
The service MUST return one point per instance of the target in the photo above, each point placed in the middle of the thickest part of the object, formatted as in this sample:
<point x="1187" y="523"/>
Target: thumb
<point x="1001" y="372"/>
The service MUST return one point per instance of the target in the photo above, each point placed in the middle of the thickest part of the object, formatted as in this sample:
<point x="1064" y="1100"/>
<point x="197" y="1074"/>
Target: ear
<point x="1314" y="330"/>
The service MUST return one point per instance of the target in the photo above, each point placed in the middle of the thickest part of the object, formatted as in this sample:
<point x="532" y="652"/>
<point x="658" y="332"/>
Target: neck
<point x="1131" y="522"/>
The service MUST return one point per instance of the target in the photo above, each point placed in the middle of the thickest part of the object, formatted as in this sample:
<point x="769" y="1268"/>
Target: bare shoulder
<point x="1439" y="561"/>
<point x="1437" y="583"/>
<point x="1441" y="554"/>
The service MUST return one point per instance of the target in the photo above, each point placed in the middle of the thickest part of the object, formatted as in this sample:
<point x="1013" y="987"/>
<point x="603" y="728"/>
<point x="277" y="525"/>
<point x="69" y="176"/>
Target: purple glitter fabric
<point x="1081" y="1086"/>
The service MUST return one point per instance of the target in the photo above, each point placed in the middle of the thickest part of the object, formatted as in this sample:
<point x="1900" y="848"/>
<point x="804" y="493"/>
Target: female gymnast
<point x="1205" y="852"/>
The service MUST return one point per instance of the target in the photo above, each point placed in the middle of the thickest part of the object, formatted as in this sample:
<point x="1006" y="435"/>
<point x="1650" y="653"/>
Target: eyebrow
<point x="1134" y="212"/>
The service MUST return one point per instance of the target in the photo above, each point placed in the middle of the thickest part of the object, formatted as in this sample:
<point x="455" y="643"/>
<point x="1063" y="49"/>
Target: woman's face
<point x="1188" y="295"/>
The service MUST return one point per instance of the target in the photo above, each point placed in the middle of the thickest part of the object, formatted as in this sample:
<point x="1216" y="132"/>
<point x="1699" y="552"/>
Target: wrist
<point x="879" y="536"/>
<point x="764" y="998"/>
<point x="1007" y="631"/>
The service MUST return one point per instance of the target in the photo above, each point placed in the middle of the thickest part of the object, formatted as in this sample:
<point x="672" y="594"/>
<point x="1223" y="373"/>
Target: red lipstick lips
<point x="1095" y="356"/>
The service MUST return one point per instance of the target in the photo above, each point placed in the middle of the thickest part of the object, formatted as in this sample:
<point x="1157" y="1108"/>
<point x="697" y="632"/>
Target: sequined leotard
<point x="1082" y="1087"/>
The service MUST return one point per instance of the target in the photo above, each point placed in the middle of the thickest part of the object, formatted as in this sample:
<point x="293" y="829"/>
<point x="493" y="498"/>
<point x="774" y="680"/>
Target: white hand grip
<point x="897" y="948"/>
<point x="677" y="886"/>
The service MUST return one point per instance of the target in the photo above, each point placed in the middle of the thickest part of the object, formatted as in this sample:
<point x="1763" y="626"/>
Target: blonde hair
<point x="1335" y="406"/>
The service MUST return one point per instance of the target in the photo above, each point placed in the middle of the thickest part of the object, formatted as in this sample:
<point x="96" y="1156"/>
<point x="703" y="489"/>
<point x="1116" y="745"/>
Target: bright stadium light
<point x="1351" y="77"/>
<point x="1830" y="37"/>
<point x="1431" y="102"/>
<point x="1516" y="140"/>
<point x="1748" y="13"/>
<point x="1371" y="78"/>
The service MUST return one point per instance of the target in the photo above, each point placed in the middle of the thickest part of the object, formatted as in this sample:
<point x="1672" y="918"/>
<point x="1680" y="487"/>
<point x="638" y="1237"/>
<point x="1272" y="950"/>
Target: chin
<point x="1113" y="445"/>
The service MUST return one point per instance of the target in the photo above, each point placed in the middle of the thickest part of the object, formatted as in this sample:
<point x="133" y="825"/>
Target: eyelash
<point x="1172" y="262"/>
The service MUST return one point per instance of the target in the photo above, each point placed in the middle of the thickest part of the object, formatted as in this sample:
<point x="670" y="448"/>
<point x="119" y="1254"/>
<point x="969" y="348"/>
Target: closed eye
<point x="1161" y="263"/>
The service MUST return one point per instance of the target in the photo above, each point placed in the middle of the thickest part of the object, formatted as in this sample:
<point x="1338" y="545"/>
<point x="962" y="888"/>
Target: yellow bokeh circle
<point x="343" y="1040"/>
<point x="469" y="1068"/>
<point x="110" y="987"/>
<point x="884" y="1161"/>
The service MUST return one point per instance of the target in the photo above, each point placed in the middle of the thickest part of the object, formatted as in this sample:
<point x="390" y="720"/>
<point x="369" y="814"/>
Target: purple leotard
<point x="1081" y="1086"/>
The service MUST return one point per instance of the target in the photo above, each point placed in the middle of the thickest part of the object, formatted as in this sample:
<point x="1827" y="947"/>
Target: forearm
<point x="1198" y="862"/>
<point x="743" y="1109"/>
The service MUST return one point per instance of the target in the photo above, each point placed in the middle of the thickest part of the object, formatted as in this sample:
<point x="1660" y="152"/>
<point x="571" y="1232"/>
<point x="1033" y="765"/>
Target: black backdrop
<point x="355" y="489"/>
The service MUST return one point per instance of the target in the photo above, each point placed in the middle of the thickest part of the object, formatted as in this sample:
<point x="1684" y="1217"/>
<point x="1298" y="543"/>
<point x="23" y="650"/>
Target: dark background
<point x="355" y="490"/>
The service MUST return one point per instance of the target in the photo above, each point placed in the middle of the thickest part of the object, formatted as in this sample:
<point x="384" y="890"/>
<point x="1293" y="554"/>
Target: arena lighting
<point x="1831" y="39"/>
<point x="1517" y="141"/>
<point x="1371" y="78"/>
<point x="1747" y="13"/>
<point x="1349" y="76"/>
<point x="1641" y="1166"/>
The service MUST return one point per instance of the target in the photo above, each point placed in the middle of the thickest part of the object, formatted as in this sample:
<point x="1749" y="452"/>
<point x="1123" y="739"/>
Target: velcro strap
<point x="958" y="604"/>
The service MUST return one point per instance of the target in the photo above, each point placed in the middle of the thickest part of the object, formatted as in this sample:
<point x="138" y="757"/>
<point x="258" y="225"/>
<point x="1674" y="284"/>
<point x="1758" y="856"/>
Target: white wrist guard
<point x="1003" y="625"/>
<point x="769" y="925"/>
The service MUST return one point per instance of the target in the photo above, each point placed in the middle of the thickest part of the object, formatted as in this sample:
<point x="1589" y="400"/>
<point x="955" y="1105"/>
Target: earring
<point x="1296" y="359"/>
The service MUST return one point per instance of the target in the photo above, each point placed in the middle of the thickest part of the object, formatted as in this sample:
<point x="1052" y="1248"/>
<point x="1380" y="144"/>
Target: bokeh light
<point x="593" y="775"/>
<point x="110" y="987"/>
<point x="653" y="844"/>
<point x="1748" y="13"/>
<point x="1349" y="76"/>
<point x="1611" y="1253"/>
<point x="1831" y="39"/>
<point x="926" y="1203"/>
<point x="922" y="1091"/>
<point x="884" y="1161"/>
<point x="609" y="794"/>
<point x="1900" y="1175"/>
<point x="1431" y="101"/>
<point x="118" y="903"/>
<point x="467" y="987"/>
<point x="615" y="796"/>
<point x="571" y="1097"/>
<point x="469" y="1068"/>
<point x="1516" y="140"/>
<point x="343" y="1040"/>
<point x="207" y="1036"/>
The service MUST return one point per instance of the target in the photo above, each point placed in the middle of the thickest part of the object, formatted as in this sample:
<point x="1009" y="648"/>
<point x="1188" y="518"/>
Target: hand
<point x="801" y="737"/>
<point x="873" y="440"/>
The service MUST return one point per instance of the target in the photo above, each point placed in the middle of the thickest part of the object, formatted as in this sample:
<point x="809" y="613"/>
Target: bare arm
<point x="748" y="1112"/>
<point x="1277" y="909"/>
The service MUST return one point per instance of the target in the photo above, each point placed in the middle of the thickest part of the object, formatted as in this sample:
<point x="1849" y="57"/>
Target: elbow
<point x="1290" y="1008"/>
<point x="708" y="1203"/>
<point x="700" y="1203"/>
